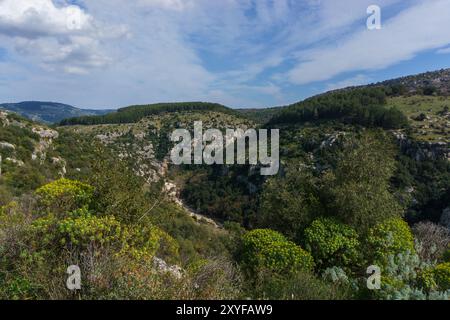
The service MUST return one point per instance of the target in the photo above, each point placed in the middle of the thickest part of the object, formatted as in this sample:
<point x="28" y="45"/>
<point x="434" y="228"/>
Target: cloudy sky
<point x="242" y="53"/>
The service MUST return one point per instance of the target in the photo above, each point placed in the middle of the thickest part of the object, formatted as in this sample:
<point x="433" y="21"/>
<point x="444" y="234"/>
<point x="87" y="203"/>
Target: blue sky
<point x="242" y="53"/>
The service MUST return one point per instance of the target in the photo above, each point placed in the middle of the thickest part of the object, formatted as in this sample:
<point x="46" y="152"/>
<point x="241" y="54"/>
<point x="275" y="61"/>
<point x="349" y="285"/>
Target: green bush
<point x="446" y="256"/>
<point x="82" y="231"/>
<point x="442" y="276"/>
<point x="332" y="243"/>
<point x="298" y="285"/>
<point x="65" y="195"/>
<point x="388" y="238"/>
<point x="298" y="193"/>
<point x="265" y="249"/>
<point x="406" y="277"/>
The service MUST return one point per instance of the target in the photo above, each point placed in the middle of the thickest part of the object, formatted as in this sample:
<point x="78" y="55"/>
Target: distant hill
<point x="428" y="83"/>
<point x="48" y="112"/>
<point x="134" y="114"/>
<point x="260" y="116"/>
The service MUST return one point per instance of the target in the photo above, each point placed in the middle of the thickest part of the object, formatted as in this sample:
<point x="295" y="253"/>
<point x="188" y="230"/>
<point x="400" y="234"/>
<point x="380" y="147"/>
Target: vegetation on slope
<point x="346" y="197"/>
<point x="361" y="106"/>
<point x="133" y="114"/>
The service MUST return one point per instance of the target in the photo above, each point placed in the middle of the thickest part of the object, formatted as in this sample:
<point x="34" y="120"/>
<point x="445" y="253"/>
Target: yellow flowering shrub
<point x="389" y="238"/>
<point x="442" y="276"/>
<point x="332" y="243"/>
<point x="65" y="195"/>
<point x="81" y="230"/>
<point x="270" y="250"/>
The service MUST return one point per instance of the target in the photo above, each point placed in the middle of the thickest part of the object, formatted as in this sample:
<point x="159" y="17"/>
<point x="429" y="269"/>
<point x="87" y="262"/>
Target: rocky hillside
<point x="146" y="143"/>
<point x="27" y="149"/>
<point x="429" y="83"/>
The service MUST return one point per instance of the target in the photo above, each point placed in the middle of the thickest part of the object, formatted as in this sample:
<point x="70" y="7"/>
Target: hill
<point x="428" y="83"/>
<point x="48" y="112"/>
<point x="133" y="114"/>
<point x="357" y="166"/>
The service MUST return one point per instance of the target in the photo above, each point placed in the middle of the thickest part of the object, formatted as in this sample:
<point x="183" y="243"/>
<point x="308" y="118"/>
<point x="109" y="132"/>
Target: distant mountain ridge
<point x="133" y="114"/>
<point x="428" y="83"/>
<point x="49" y="112"/>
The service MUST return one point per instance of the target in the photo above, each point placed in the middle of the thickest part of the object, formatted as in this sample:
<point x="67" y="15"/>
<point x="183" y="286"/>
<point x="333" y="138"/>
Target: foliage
<point x="332" y="243"/>
<point x="446" y="255"/>
<point x="360" y="185"/>
<point x="65" y="195"/>
<point x="387" y="239"/>
<point x="406" y="277"/>
<point x="433" y="240"/>
<point x="264" y="249"/>
<point x="299" y="285"/>
<point x="442" y="275"/>
<point x="297" y="192"/>
<point x="227" y="193"/>
<point x="133" y="114"/>
<point x="118" y="191"/>
<point x="84" y="231"/>
<point x="363" y="106"/>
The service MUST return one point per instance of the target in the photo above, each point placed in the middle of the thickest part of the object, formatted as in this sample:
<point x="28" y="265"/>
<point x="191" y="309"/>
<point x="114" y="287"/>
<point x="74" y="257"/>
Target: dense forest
<point x="362" y="106"/>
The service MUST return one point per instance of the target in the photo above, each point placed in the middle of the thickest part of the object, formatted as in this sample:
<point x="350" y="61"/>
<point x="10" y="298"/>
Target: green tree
<point x="289" y="204"/>
<point x="360" y="186"/>
<point x="118" y="190"/>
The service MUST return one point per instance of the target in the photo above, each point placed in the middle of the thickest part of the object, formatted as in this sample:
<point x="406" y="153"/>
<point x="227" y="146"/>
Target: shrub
<point x="82" y="231"/>
<point x="388" y="238"/>
<point x="442" y="275"/>
<point x="446" y="255"/>
<point x="298" y="285"/>
<point x="432" y="239"/>
<point x="64" y="195"/>
<point x="270" y="250"/>
<point x="332" y="243"/>
<point x="406" y="277"/>
<point x="298" y="193"/>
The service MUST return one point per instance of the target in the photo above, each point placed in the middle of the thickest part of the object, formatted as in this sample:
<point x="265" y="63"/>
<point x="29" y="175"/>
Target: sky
<point x="240" y="53"/>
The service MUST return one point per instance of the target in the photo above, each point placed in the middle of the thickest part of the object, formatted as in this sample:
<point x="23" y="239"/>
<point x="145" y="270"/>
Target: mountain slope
<point x="134" y="114"/>
<point x="48" y="112"/>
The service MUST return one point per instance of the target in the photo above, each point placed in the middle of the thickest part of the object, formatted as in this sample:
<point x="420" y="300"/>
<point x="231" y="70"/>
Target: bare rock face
<point x="421" y="151"/>
<point x="4" y="118"/>
<point x="445" y="218"/>
<point x="6" y="145"/>
<point x="162" y="266"/>
<point x="46" y="139"/>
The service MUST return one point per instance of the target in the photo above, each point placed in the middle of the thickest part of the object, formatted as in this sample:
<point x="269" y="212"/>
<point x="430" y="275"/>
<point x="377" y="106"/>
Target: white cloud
<point x="61" y="37"/>
<point x="418" y="28"/>
<point x="357" y="80"/>
<point x="237" y="52"/>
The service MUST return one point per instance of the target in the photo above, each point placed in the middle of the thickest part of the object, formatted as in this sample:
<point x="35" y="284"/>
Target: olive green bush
<point x="270" y="250"/>
<point x="332" y="243"/>
<point x="442" y="275"/>
<point x="387" y="239"/>
<point x="64" y="195"/>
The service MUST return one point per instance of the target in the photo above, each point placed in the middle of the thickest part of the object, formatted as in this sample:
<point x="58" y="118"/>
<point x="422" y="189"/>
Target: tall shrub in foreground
<point x="265" y="249"/>
<point x="332" y="243"/>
